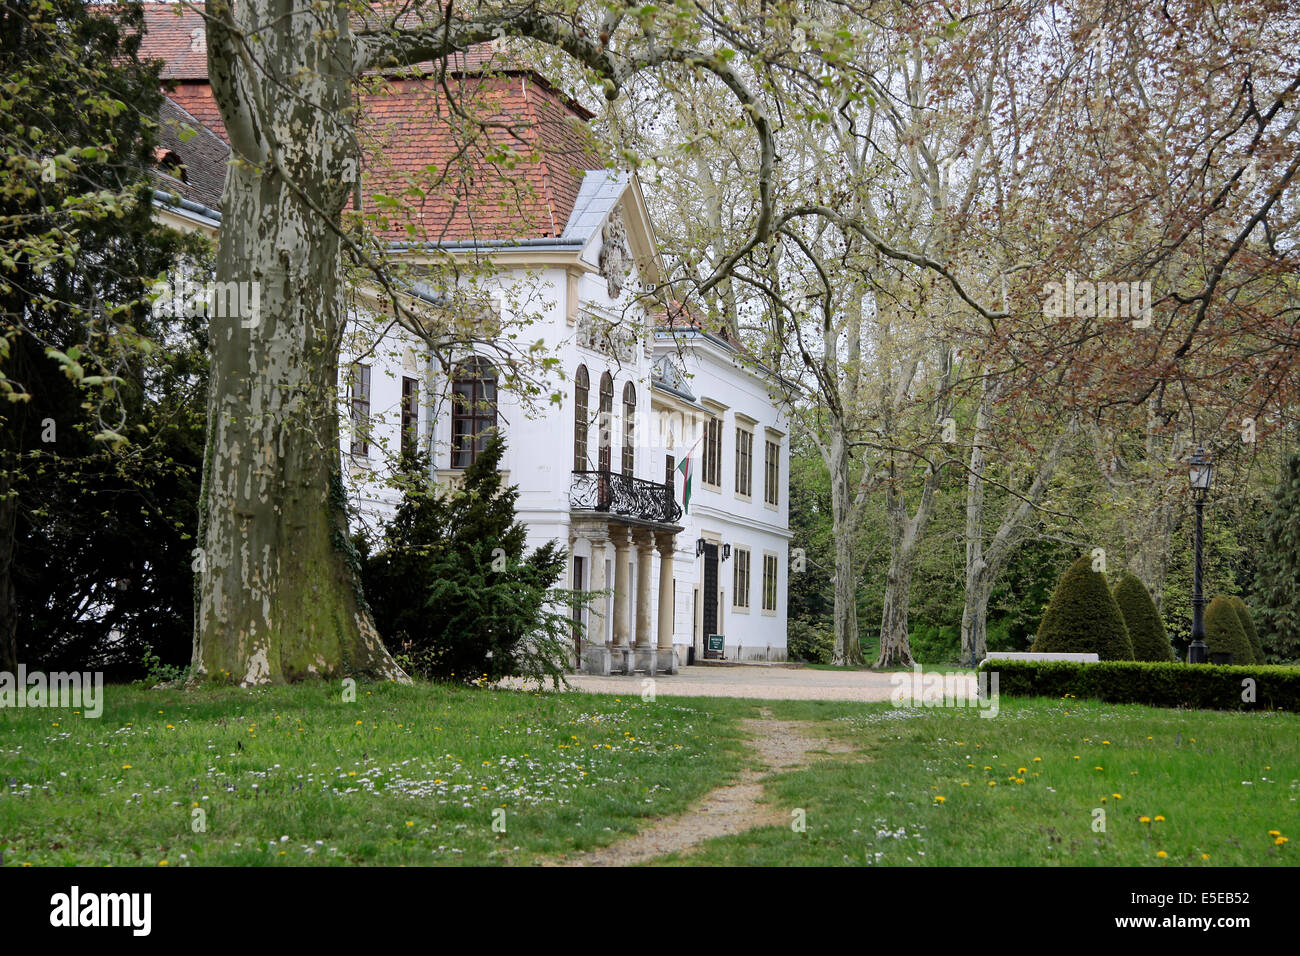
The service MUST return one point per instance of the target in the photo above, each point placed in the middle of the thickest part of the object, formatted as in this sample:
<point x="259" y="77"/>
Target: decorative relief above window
<point x="601" y="335"/>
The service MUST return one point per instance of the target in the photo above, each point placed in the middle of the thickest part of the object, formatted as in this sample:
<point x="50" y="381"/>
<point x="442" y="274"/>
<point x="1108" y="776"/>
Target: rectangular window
<point x="670" y="465"/>
<point x="772" y="473"/>
<point x="473" y="411"/>
<point x="359" y="392"/>
<point x="740" y="581"/>
<point x="410" y="415"/>
<point x="712" y="453"/>
<point x="769" y="582"/>
<point x="744" y="462"/>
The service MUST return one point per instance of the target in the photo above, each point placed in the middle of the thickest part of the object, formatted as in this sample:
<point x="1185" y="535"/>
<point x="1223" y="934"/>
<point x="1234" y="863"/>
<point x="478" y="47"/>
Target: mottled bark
<point x="905" y="534"/>
<point x="848" y="649"/>
<point x="280" y="598"/>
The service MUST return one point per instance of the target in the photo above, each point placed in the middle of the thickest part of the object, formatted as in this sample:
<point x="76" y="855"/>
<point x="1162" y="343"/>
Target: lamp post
<point x="1200" y="474"/>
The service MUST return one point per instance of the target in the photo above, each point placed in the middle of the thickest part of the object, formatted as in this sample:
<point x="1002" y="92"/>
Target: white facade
<point x="679" y="378"/>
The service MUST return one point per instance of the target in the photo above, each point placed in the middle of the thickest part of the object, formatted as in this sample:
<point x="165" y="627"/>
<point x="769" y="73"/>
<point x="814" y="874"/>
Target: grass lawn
<point x="296" y="776"/>
<point x="947" y="787"/>
<point x="413" y="775"/>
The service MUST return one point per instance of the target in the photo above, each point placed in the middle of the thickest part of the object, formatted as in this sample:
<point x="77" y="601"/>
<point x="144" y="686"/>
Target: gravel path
<point x="753" y="681"/>
<point x="779" y="745"/>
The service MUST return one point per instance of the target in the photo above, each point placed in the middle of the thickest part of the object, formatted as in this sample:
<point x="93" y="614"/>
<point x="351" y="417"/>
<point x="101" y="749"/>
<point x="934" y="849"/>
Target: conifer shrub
<point x="454" y="592"/>
<point x="1224" y="633"/>
<point x="1248" y="625"/>
<point x="1276" y="594"/>
<point x="1083" y="617"/>
<point x="1145" y="628"/>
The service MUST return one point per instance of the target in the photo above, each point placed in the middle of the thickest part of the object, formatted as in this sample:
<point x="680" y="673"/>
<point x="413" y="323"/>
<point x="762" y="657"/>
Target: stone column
<point x="595" y="653"/>
<point x="620" y="651"/>
<point x="646" y="654"/>
<point x="667" y="612"/>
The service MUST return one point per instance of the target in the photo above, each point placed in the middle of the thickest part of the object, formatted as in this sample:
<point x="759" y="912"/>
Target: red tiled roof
<point x="450" y="174"/>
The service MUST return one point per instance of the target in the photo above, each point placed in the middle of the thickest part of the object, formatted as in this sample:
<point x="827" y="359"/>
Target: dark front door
<point x="710" y="596"/>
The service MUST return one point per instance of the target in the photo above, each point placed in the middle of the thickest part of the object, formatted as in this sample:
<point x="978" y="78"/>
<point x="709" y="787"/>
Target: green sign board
<point x="714" y="645"/>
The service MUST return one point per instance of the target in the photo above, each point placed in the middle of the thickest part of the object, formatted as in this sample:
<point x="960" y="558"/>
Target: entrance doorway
<point x="710" y="595"/>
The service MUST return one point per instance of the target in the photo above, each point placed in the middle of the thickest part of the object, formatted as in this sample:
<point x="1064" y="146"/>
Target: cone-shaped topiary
<point x="1083" y="617"/>
<point x="1224" y="634"/>
<point x="1248" y="625"/>
<point x="1145" y="629"/>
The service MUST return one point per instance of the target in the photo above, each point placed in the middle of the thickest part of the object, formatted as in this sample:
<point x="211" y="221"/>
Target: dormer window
<point x="171" y="164"/>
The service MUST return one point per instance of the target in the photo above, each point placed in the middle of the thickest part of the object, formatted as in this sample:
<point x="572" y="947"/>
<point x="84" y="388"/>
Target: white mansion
<point x="599" y="470"/>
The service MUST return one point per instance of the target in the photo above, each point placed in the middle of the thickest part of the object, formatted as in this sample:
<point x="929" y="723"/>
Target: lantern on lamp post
<point x="1200" y="475"/>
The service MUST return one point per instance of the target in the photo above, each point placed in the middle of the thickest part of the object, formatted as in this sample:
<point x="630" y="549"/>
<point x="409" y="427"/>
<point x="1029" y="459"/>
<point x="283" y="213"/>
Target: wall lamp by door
<point x="701" y="544"/>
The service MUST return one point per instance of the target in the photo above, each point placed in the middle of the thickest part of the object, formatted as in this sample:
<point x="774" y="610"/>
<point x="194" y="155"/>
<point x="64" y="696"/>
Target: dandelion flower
<point x="1144" y="819"/>
<point x="1161" y="854"/>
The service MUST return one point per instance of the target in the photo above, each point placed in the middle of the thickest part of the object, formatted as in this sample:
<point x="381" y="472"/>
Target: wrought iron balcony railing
<point x="618" y="494"/>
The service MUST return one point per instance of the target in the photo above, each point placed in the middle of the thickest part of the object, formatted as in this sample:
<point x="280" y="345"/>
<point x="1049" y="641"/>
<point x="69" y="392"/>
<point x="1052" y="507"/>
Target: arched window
<point x="629" y="428"/>
<point x="605" y="441"/>
<point x="473" y="410"/>
<point x="581" y="386"/>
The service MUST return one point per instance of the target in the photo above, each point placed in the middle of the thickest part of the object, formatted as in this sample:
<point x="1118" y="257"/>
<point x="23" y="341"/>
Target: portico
<point x="623" y="634"/>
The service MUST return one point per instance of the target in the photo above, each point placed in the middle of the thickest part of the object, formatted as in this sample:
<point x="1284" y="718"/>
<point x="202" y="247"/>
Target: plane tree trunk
<point x="844" y="510"/>
<point x="279" y="594"/>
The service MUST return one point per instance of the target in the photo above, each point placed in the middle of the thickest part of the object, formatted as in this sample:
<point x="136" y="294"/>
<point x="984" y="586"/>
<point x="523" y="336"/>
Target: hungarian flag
<point x="685" y="469"/>
<point x="687" y="475"/>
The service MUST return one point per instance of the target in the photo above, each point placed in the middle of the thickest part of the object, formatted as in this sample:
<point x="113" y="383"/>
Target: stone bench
<point x="1030" y="656"/>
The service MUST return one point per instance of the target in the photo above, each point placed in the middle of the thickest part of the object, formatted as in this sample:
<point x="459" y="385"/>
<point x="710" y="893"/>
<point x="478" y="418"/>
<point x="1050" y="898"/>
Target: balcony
<point x="617" y="494"/>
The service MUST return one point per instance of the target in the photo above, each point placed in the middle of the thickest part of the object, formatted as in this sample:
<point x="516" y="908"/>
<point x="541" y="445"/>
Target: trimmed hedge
<point x="1083" y="617"/>
<point x="1155" y="684"/>
<point x="1145" y="629"/>
<point x="1224" y="633"/>
<point x="1248" y="625"/>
